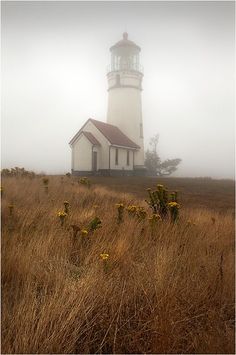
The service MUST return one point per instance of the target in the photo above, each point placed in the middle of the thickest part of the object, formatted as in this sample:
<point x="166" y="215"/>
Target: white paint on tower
<point x="124" y="93"/>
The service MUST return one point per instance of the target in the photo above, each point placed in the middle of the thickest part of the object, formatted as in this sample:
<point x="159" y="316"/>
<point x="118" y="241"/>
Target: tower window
<point x="116" y="158"/>
<point x="141" y="130"/>
<point x="127" y="157"/>
<point x="117" y="79"/>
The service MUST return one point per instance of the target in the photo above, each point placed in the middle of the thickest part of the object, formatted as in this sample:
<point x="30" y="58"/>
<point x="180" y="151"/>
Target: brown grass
<point x="168" y="290"/>
<point x="216" y="195"/>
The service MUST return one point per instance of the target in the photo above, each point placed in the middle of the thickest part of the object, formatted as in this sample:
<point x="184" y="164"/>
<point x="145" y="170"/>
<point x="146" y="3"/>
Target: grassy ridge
<point x="217" y="195"/>
<point x="166" y="290"/>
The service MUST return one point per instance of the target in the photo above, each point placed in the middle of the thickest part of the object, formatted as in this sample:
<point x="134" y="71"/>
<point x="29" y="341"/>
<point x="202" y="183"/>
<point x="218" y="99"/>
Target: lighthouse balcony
<point x="134" y="67"/>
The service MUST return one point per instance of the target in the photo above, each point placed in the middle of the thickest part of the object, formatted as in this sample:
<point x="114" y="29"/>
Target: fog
<point x="54" y="59"/>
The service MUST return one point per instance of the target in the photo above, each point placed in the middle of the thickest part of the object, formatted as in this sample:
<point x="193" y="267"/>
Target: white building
<point x="115" y="147"/>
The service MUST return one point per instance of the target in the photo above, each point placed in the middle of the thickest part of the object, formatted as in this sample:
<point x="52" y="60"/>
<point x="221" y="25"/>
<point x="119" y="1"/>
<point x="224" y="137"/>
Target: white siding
<point x="103" y="154"/>
<point x="82" y="154"/>
<point x="122" y="159"/>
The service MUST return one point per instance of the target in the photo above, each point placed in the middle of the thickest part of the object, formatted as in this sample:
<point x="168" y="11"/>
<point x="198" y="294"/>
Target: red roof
<point x="91" y="137"/>
<point x="113" y="134"/>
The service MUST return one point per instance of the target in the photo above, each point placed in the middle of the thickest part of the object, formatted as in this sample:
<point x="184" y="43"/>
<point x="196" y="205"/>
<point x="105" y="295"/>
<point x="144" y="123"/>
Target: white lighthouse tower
<point x="116" y="147"/>
<point x="124" y="94"/>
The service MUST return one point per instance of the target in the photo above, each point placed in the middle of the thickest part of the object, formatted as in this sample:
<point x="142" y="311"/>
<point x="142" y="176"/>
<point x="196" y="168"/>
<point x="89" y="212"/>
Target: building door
<point x="94" y="161"/>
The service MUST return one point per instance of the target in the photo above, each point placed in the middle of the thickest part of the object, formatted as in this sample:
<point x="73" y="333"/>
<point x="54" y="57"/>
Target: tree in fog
<point x="153" y="162"/>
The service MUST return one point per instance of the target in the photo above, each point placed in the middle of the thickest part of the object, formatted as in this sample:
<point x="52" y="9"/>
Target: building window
<point x="116" y="156"/>
<point x="127" y="157"/>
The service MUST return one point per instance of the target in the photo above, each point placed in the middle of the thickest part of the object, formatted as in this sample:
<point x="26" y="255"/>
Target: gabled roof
<point x="91" y="137"/>
<point x="113" y="134"/>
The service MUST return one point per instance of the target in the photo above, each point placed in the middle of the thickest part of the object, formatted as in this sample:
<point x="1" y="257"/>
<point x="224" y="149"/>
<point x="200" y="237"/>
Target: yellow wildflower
<point x="173" y="205"/>
<point x="119" y="205"/>
<point x="104" y="256"/>
<point x="131" y="208"/>
<point x="62" y="214"/>
<point x="155" y="217"/>
<point x="84" y="232"/>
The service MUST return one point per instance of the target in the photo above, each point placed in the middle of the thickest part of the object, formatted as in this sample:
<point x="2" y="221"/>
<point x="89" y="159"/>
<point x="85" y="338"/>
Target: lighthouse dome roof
<point x="125" y="42"/>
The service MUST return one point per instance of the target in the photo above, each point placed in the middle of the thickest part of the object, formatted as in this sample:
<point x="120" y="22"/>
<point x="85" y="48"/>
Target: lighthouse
<point x="124" y="110"/>
<point x="115" y="147"/>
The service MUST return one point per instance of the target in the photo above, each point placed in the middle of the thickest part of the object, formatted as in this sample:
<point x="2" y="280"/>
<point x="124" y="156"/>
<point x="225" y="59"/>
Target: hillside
<point x="133" y="285"/>
<point x="217" y="195"/>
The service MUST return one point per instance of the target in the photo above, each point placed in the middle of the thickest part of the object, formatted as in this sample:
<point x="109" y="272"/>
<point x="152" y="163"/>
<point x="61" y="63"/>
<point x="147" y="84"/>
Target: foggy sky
<point x="54" y="59"/>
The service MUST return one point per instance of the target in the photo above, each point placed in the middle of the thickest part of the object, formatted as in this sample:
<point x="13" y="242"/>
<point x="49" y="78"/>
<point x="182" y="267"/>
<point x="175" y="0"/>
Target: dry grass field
<point x="163" y="288"/>
<point x="216" y="195"/>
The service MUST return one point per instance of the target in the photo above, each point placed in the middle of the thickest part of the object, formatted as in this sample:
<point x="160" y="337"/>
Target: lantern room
<point x="125" y="56"/>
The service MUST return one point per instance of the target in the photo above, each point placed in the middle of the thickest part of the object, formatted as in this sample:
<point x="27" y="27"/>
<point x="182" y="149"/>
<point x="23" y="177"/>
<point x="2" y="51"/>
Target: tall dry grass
<point x="168" y="290"/>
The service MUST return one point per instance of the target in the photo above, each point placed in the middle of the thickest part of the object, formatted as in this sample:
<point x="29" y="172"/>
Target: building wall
<point x="82" y="151"/>
<point x="82" y="154"/>
<point x="122" y="159"/>
<point x="103" y="150"/>
<point x="125" y="108"/>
